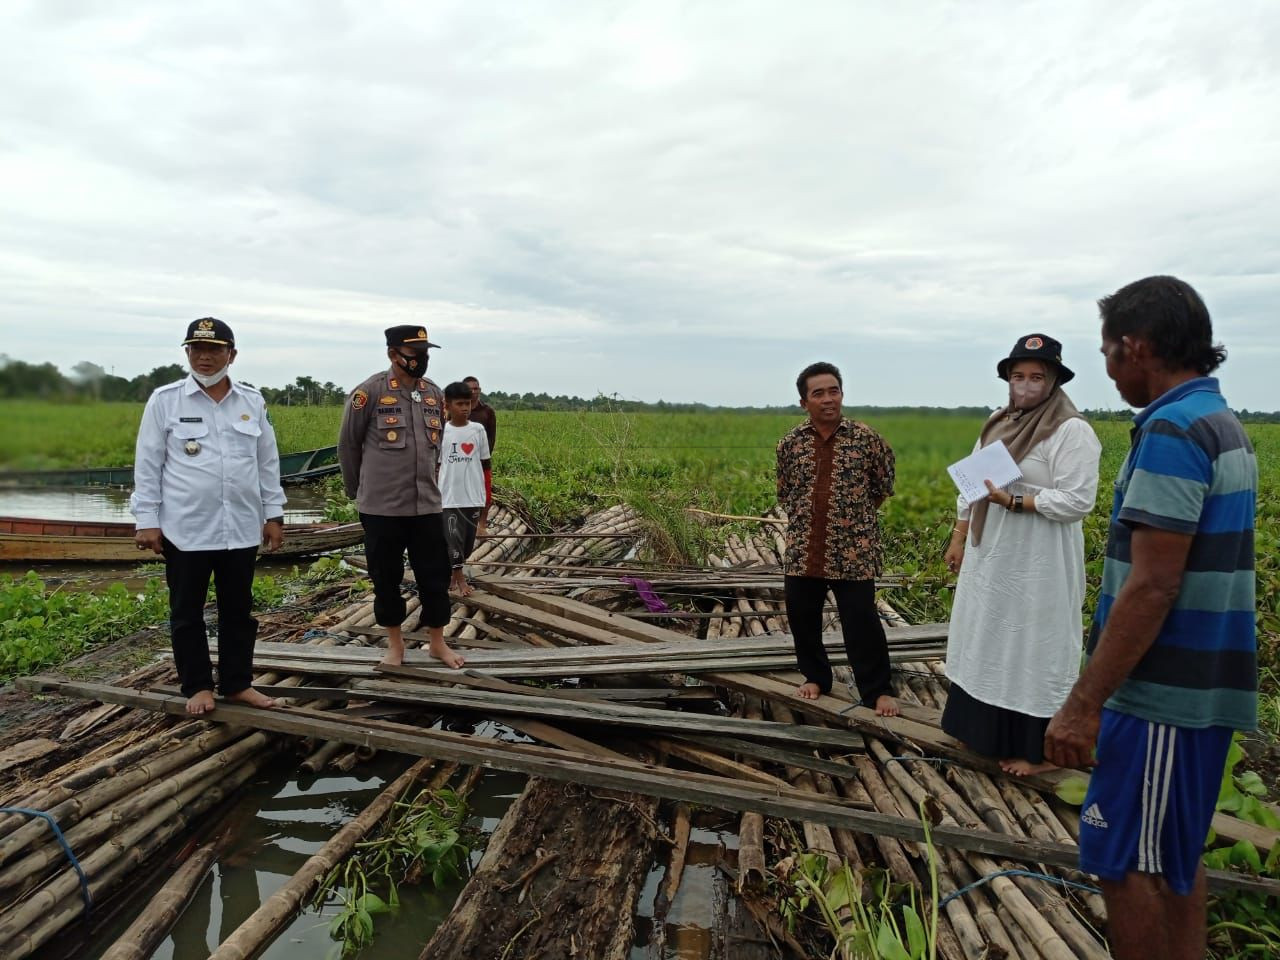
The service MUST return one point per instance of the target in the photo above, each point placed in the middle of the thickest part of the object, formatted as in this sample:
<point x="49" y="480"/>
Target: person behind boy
<point x="833" y="474"/>
<point x="465" y="480"/>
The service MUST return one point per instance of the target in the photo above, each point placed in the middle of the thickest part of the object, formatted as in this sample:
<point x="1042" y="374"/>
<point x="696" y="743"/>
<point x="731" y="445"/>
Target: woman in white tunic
<point x="1016" y="633"/>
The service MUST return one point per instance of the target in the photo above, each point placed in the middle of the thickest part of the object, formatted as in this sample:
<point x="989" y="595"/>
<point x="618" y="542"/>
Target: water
<point x="285" y="820"/>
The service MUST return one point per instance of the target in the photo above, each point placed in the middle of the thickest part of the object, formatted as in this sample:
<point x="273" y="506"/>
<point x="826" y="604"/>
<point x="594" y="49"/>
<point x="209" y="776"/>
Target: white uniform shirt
<point x="461" y="473"/>
<point x="207" y="474"/>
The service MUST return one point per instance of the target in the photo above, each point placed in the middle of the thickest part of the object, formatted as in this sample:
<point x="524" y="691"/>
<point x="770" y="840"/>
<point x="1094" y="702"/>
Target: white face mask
<point x="210" y="379"/>
<point x="1027" y="394"/>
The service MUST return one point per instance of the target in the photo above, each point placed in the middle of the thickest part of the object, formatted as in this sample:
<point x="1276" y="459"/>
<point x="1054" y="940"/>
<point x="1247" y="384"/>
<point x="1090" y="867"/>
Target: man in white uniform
<point x="206" y="494"/>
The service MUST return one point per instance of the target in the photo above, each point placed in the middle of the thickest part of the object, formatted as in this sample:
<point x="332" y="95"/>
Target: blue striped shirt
<point x="1191" y="469"/>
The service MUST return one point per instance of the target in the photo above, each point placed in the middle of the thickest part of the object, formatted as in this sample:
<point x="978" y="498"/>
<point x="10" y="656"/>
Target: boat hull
<point x="62" y="541"/>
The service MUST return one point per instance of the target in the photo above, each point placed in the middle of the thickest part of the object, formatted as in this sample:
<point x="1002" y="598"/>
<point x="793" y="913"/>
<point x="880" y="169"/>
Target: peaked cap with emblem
<point x="409" y="336"/>
<point x="1036" y="346"/>
<point x="209" y="330"/>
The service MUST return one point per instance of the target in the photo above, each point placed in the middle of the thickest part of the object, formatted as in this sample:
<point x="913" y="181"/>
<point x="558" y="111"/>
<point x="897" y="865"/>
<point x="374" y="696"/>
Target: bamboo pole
<point x="87" y="832"/>
<point x="265" y="924"/>
<point x="146" y="932"/>
<point x="57" y="903"/>
<point x="78" y="804"/>
<point x="79" y="779"/>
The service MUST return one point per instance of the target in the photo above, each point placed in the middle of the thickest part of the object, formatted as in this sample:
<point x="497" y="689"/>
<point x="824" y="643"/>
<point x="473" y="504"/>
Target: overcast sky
<point x="686" y="201"/>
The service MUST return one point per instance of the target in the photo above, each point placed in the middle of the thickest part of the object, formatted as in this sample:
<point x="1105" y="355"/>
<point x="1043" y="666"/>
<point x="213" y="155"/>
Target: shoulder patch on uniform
<point x="359" y="399"/>
<point x="249" y="387"/>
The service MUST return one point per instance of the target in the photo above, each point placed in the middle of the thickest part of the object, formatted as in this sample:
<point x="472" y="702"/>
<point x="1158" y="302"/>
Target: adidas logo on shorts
<point x="1093" y="817"/>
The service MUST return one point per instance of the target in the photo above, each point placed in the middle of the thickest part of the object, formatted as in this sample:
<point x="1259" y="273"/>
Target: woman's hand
<point x="954" y="556"/>
<point x="997" y="496"/>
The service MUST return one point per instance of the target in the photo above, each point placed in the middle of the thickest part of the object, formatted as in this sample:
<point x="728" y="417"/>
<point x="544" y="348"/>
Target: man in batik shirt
<point x="833" y="474"/>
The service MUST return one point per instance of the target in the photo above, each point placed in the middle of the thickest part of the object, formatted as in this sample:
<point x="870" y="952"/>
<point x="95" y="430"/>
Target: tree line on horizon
<point x="89" y="382"/>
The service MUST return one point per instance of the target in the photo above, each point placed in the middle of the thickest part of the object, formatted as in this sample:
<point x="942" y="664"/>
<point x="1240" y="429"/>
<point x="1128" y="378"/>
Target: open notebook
<point x="991" y="462"/>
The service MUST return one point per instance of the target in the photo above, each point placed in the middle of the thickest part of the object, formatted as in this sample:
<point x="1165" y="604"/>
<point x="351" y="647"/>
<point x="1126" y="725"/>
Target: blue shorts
<point x="1151" y="799"/>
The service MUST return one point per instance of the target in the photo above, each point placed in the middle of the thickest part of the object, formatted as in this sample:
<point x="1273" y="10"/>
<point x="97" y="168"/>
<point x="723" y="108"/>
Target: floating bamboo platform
<point x="635" y="721"/>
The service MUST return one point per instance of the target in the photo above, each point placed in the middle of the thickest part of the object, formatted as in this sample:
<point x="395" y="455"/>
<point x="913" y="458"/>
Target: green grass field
<point x="564" y="465"/>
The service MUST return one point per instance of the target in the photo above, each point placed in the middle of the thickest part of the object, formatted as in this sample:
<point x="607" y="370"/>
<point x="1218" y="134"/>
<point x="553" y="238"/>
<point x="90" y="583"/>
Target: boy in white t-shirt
<point x="465" y="481"/>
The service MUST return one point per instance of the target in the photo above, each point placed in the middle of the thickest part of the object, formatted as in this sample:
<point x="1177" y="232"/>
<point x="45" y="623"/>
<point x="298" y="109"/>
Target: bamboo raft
<point x="618" y="760"/>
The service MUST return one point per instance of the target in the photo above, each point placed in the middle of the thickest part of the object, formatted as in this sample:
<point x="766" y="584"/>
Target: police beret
<point x="210" y="330"/>
<point x="408" y="336"/>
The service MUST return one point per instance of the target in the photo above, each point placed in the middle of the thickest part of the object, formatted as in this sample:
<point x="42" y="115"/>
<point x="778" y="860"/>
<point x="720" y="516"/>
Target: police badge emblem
<point x="191" y="448"/>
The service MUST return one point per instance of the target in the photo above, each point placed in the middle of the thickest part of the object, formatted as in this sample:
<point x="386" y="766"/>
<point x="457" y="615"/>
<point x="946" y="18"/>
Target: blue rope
<point x="1015" y="873"/>
<point x="66" y="848"/>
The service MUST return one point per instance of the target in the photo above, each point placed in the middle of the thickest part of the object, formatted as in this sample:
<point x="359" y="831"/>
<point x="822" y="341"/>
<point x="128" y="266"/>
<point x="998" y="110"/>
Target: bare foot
<point x="886" y="706"/>
<point x="1025" y="768"/>
<point x="252" y="698"/>
<point x="458" y="584"/>
<point x="440" y="650"/>
<point x="201" y="703"/>
<point x="809" y="691"/>
<point x="395" y="655"/>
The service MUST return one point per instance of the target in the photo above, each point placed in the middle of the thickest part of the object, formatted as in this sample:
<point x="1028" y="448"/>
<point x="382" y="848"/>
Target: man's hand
<point x="273" y="535"/>
<point x="149" y="538"/>
<point x="1072" y="734"/>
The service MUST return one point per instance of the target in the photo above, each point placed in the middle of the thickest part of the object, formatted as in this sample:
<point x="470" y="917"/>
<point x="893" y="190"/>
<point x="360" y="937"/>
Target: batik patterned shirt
<point x="830" y="490"/>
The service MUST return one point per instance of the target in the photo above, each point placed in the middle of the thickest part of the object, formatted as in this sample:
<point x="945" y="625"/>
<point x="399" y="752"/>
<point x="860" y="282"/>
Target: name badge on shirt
<point x="191" y="419"/>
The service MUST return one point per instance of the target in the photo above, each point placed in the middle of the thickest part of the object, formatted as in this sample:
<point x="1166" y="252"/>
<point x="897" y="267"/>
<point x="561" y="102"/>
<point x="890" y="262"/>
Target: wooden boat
<point x="25" y="540"/>
<point x="303" y="466"/>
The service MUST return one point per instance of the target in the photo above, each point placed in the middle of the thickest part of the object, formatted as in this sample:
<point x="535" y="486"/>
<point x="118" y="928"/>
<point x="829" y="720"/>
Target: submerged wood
<point x="151" y="926"/>
<point x="264" y="924"/>
<point x="560" y="878"/>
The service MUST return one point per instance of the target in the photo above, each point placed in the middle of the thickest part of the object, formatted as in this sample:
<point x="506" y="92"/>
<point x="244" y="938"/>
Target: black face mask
<point x="415" y="364"/>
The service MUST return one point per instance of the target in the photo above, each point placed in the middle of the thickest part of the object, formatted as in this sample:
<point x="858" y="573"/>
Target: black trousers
<point x="187" y="573"/>
<point x="460" y="524"/>
<point x="385" y="541"/>
<point x="864" y="639"/>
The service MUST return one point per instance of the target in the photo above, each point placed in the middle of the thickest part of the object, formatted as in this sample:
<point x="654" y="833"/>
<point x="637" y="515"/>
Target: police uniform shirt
<point x="206" y="473"/>
<point x="389" y="445"/>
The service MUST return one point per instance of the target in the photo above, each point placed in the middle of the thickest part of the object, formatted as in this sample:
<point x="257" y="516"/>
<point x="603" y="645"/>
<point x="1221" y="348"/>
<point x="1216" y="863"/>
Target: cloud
<point x="678" y="200"/>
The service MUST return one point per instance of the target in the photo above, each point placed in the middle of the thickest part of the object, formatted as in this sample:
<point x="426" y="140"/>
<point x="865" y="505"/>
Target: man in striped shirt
<point x="1172" y="666"/>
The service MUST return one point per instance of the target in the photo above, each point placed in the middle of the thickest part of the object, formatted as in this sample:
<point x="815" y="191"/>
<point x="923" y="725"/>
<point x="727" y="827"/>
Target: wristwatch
<point x="279" y="520"/>
<point x="1016" y="503"/>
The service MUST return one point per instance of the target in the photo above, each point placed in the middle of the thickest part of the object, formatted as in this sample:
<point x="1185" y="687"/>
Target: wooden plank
<point x="17" y="754"/>
<point x="523" y="704"/>
<point x="773" y="648"/>
<point x="422" y="636"/>
<point x="718" y="792"/>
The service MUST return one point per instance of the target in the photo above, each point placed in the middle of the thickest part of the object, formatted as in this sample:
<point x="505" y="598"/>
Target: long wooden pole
<point x="142" y="937"/>
<point x="264" y="924"/>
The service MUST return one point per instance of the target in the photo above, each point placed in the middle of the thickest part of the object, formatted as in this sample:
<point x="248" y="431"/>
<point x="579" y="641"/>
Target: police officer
<point x="389" y="450"/>
<point x="206" y="493"/>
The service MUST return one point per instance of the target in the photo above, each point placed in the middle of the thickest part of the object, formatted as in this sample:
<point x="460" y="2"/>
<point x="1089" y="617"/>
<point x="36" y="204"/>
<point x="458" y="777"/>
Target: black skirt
<point x="993" y="731"/>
